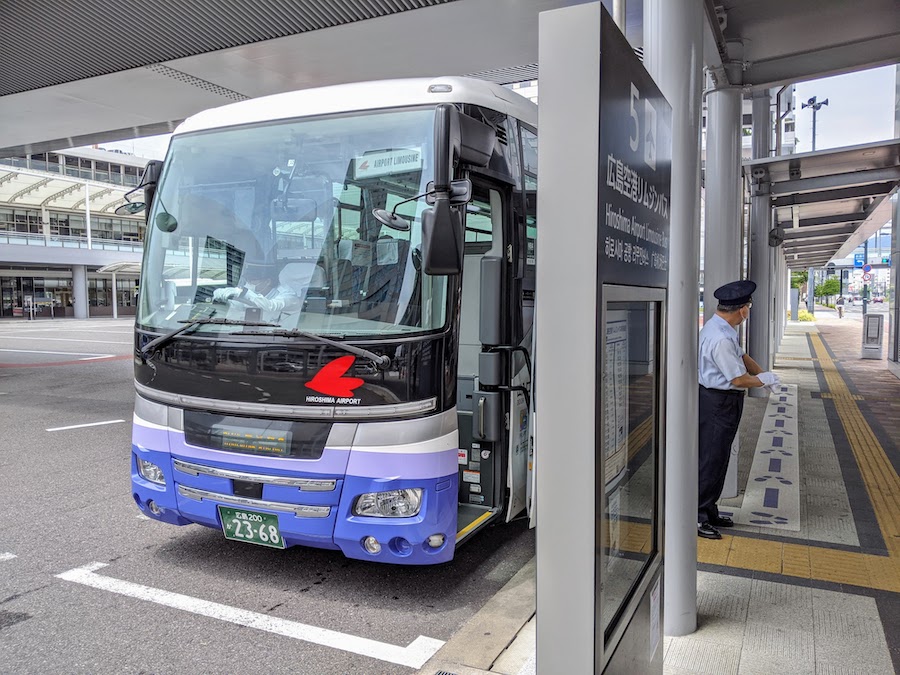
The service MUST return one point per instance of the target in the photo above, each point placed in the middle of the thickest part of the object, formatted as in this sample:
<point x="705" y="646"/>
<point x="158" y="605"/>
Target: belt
<point x="729" y="392"/>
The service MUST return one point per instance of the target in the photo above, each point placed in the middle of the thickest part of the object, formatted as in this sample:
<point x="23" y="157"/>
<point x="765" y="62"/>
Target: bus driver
<point x="259" y="287"/>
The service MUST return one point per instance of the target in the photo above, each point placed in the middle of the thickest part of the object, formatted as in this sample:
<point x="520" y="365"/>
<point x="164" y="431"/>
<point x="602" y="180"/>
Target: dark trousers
<point x="720" y="416"/>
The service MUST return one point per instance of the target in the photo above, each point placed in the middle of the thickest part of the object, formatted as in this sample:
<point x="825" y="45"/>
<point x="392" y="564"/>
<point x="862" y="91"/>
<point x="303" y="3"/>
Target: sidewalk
<point x="821" y="595"/>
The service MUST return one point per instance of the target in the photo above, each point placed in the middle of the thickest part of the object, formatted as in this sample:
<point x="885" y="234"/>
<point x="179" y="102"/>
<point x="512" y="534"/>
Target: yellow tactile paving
<point x="755" y="554"/>
<point x="714" y="552"/>
<point x="878" y="473"/>
<point x="842" y="567"/>
<point x="795" y="561"/>
<point x="825" y="564"/>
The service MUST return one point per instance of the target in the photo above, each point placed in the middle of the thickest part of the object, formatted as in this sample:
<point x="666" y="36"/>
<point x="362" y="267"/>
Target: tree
<point x="798" y="279"/>
<point x="831" y="286"/>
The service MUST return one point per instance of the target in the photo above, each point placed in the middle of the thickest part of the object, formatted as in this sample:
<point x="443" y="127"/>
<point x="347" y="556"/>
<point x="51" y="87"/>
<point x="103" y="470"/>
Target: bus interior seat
<point x="384" y="280"/>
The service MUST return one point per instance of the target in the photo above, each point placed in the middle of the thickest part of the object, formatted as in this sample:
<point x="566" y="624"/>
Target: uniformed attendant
<point x="725" y="372"/>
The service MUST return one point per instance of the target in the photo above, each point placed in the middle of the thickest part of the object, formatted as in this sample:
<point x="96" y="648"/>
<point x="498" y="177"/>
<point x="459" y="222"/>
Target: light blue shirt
<point x="720" y="357"/>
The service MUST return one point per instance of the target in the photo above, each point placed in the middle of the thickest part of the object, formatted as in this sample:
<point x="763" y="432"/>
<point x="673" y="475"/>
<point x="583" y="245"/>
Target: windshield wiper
<point x="381" y="362"/>
<point x="156" y="343"/>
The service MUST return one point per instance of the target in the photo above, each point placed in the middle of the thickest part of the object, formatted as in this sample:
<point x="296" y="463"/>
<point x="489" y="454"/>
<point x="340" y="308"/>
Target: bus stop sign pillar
<point x="600" y="399"/>
<point x="872" y="338"/>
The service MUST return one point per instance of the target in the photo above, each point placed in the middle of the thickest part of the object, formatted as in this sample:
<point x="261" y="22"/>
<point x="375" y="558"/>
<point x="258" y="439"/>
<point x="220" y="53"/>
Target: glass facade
<point x="27" y="294"/>
<point x="78" y="167"/>
<point x="68" y="224"/>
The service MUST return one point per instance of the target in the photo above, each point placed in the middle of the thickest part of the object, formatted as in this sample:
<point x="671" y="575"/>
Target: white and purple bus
<point x="334" y="334"/>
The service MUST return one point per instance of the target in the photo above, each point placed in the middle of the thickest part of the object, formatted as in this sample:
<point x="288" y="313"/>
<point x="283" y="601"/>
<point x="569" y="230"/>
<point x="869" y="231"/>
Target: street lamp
<point x="815" y="105"/>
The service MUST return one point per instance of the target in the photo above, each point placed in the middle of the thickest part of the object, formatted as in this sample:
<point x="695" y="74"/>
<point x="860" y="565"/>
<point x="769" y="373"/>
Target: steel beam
<point x="836" y="180"/>
<point x="874" y="190"/>
<point x="826" y="230"/>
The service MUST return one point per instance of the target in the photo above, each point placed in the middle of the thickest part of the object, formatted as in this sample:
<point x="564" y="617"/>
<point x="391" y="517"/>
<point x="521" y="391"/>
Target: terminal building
<point x="58" y="228"/>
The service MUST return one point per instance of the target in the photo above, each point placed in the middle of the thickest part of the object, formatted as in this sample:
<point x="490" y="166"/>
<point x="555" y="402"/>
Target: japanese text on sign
<point x="628" y="183"/>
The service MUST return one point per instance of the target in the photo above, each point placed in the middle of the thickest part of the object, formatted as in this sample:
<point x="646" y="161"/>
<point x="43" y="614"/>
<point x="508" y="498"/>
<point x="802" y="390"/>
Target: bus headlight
<point x="390" y="504"/>
<point x="151" y="472"/>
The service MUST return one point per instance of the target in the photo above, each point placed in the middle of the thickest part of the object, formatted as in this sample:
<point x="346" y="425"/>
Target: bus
<point x="334" y="334"/>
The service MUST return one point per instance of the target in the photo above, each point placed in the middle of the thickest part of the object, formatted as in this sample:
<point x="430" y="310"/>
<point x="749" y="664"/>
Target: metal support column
<point x="87" y="213"/>
<point x="722" y="241"/>
<point x="673" y="54"/>
<point x="79" y="291"/>
<point x="758" y="334"/>
<point x="115" y="299"/>
<point x="894" y="305"/>
<point x="811" y="290"/>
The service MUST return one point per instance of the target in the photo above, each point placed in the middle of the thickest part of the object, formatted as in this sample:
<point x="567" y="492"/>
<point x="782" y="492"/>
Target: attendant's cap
<point x="735" y="293"/>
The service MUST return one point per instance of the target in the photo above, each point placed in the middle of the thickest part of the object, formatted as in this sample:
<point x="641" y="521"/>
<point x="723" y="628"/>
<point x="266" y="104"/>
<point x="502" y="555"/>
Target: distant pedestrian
<point x="840" y="306"/>
<point x="725" y="372"/>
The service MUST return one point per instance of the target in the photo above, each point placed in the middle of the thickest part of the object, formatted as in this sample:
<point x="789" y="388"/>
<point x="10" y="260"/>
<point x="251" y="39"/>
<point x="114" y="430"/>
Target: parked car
<point x="878" y="298"/>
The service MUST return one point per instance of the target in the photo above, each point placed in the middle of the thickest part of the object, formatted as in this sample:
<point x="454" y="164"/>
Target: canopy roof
<point x="27" y="188"/>
<point x="828" y="202"/>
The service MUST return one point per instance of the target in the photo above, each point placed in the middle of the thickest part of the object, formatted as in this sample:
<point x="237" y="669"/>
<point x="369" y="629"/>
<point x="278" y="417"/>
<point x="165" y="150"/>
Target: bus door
<point x="483" y="372"/>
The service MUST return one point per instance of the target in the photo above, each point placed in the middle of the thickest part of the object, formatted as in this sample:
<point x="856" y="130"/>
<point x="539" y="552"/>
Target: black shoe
<point x="722" y="521"/>
<point x="707" y="531"/>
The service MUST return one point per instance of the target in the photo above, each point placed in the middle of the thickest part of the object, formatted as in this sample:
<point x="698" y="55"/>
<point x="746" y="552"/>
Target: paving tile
<point x="703" y="657"/>
<point x="714" y="552"/>
<point x="838" y="566"/>
<point x="755" y="664"/>
<point x="775" y="642"/>
<point x="848" y="603"/>
<point x="792" y="617"/>
<point x="781" y="594"/>
<point x="795" y="561"/>
<point x="755" y="554"/>
<point x="723" y="584"/>
<point x="719" y="630"/>
<point x="714" y="604"/>
<point x="870" y="657"/>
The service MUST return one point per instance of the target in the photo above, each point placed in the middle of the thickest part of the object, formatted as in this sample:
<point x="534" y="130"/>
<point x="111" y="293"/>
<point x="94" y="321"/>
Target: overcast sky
<point x="860" y="110"/>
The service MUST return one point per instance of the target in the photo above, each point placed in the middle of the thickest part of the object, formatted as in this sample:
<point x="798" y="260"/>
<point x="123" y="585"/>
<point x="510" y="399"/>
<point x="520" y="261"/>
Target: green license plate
<point x="252" y="527"/>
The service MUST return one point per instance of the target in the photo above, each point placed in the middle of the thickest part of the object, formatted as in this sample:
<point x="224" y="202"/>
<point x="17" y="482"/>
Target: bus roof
<point x="364" y="96"/>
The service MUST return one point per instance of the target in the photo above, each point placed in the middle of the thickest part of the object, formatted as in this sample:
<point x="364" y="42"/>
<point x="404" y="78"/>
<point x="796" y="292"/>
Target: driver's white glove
<point x="769" y="379"/>
<point x="225" y="294"/>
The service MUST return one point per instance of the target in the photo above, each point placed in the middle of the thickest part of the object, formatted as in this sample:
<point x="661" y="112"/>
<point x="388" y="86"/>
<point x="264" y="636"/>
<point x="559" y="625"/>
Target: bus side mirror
<point x="457" y="138"/>
<point x="148" y="182"/>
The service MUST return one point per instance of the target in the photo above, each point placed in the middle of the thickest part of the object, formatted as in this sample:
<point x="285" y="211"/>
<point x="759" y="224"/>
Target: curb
<point x="476" y="646"/>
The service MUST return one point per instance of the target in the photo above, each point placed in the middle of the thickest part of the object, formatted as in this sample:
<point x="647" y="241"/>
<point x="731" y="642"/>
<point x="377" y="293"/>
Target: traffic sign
<point x="867" y="276"/>
<point x="859" y="259"/>
<point x="867" y="268"/>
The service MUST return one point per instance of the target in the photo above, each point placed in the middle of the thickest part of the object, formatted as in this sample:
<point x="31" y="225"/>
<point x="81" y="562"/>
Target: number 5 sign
<point x="649" y="134"/>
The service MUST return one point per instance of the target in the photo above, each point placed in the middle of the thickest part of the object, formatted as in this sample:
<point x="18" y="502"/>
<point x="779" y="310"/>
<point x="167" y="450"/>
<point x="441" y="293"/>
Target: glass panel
<point x="629" y="441"/>
<point x="480" y="217"/>
<point x="282" y="216"/>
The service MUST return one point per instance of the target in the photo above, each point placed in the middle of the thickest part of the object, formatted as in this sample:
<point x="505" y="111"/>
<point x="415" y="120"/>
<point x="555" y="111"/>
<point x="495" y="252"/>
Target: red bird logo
<point x="331" y="381"/>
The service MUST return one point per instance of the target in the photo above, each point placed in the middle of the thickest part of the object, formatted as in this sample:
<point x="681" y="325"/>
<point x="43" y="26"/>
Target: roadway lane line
<point x="35" y="351"/>
<point x="414" y="656"/>
<point x="6" y="556"/>
<point x="82" y="426"/>
<point x="64" y="339"/>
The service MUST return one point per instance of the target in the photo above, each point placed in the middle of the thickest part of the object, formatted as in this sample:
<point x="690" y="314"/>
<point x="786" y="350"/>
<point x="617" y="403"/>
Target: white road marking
<point x="414" y="656"/>
<point x="94" y="358"/>
<point x="35" y="351"/>
<point x="82" y="426"/>
<point x="6" y="556"/>
<point x="63" y="339"/>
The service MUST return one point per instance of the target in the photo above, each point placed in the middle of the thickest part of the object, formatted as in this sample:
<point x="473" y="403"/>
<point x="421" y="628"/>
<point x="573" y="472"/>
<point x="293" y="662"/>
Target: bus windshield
<point x="273" y="223"/>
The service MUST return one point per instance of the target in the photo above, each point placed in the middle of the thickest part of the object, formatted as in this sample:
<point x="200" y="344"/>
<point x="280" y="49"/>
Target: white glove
<point x="769" y="379"/>
<point x="225" y="294"/>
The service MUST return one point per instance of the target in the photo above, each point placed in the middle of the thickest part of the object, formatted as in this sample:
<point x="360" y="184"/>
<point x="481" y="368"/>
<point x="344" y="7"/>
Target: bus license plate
<point x="250" y="526"/>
